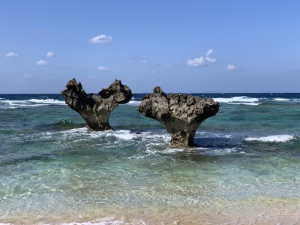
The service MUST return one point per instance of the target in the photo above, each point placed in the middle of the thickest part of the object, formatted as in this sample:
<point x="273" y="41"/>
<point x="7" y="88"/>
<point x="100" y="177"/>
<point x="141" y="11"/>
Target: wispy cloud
<point x="49" y="54"/>
<point x="103" y="68"/>
<point x="41" y="63"/>
<point x="203" y="60"/>
<point x="231" y="67"/>
<point x="140" y="59"/>
<point x="144" y="61"/>
<point x="208" y="56"/>
<point x="27" y="75"/>
<point x="101" y="39"/>
<point x="11" y="54"/>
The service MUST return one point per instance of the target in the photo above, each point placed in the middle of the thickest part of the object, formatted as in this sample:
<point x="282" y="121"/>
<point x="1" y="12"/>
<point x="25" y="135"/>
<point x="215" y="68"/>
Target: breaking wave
<point x="47" y="101"/>
<point x="244" y="100"/>
<point x="13" y="104"/>
<point x="133" y="103"/>
<point x="241" y="100"/>
<point x="272" y="138"/>
<point x="283" y="100"/>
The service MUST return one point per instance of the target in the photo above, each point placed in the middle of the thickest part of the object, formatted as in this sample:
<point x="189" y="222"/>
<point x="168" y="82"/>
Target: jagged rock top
<point x="117" y="91"/>
<point x="180" y="106"/>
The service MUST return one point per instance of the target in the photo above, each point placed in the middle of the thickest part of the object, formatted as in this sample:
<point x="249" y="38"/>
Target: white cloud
<point x="144" y="61"/>
<point x="49" y="54"/>
<point x="231" y="67"/>
<point x="208" y="58"/>
<point x="41" y="63"/>
<point x="11" y="54"/>
<point x="197" y="62"/>
<point x="202" y="61"/>
<point x="102" y="68"/>
<point x="101" y="39"/>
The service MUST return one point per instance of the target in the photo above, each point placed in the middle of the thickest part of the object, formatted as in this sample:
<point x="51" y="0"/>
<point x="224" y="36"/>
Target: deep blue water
<point x="245" y="170"/>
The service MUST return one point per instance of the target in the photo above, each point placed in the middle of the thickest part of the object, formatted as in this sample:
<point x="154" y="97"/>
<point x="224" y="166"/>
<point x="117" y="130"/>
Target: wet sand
<point x="251" y="211"/>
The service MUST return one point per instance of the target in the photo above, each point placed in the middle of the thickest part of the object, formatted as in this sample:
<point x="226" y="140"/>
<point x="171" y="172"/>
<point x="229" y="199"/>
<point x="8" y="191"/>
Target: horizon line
<point x="165" y="92"/>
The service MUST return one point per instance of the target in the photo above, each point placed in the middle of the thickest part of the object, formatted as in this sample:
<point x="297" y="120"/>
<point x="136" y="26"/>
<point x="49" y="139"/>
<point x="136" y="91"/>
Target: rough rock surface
<point x="181" y="114"/>
<point x="96" y="109"/>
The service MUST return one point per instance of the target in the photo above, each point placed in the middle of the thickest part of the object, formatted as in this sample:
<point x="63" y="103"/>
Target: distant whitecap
<point x="241" y="100"/>
<point x="272" y="138"/>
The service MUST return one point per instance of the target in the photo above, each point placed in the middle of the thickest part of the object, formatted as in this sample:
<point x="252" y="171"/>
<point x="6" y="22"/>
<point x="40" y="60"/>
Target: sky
<point x="191" y="46"/>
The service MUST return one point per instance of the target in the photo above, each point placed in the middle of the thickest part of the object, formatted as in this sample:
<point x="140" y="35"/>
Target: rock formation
<point x="181" y="114"/>
<point x="96" y="109"/>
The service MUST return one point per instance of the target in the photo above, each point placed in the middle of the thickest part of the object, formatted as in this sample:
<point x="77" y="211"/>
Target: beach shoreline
<point x="254" y="211"/>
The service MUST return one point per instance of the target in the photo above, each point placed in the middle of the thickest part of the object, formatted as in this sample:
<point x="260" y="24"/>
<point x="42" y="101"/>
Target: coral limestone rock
<point x="96" y="109"/>
<point x="181" y="114"/>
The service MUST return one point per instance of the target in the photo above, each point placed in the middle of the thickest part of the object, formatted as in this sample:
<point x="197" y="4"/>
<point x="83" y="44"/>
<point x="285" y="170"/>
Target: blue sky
<point x="182" y="46"/>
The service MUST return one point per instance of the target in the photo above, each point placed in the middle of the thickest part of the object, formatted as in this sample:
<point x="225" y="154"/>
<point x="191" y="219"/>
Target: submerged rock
<point x="181" y="114"/>
<point x="96" y="109"/>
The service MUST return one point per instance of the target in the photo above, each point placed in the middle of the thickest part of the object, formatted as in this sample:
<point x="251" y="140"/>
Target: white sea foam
<point x="295" y="100"/>
<point x="244" y="103"/>
<point x="47" y="101"/>
<point x="241" y="100"/>
<point x="134" y="103"/>
<point x="272" y="138"/>
<point x="224" y="150"/>
<point x="172" y="150"/>
<point x="12" y="104"/>
<point x="155" y="136"/>
<point x="76" y="130"/>
<point x="122" y="134"/>
<point x="102" y="221"/>
<point x="286" y="100"/>
<point x="281" y="99"/>
<point x="84" y="132"/>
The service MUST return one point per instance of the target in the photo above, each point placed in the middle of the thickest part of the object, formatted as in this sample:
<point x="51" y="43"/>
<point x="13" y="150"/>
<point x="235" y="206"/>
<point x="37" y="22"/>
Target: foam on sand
<point x="102" y="221"/>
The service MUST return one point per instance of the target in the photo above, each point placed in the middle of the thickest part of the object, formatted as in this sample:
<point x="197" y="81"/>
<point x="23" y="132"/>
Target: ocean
<point x="246" y="169"/>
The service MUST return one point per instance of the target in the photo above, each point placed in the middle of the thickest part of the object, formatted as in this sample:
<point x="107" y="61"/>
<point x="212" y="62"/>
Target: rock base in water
<point x="181" y="114"/>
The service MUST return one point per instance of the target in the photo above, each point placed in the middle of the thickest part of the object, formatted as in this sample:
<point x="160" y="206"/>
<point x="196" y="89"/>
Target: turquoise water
<point x="245" y="170"/>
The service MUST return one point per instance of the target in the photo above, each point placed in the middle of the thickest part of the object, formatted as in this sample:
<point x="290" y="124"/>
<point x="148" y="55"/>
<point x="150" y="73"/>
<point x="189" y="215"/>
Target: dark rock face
<point x="181" y="114"/>
<point x="96" y="109"/>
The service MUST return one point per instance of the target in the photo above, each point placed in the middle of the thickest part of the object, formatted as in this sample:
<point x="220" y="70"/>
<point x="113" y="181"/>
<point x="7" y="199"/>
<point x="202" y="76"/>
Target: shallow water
<point x="245" y="170"/>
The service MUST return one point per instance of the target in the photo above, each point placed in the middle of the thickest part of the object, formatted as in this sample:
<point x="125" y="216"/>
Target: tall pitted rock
<point x="181" y="114"/>
<point x="96" y="109"/>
